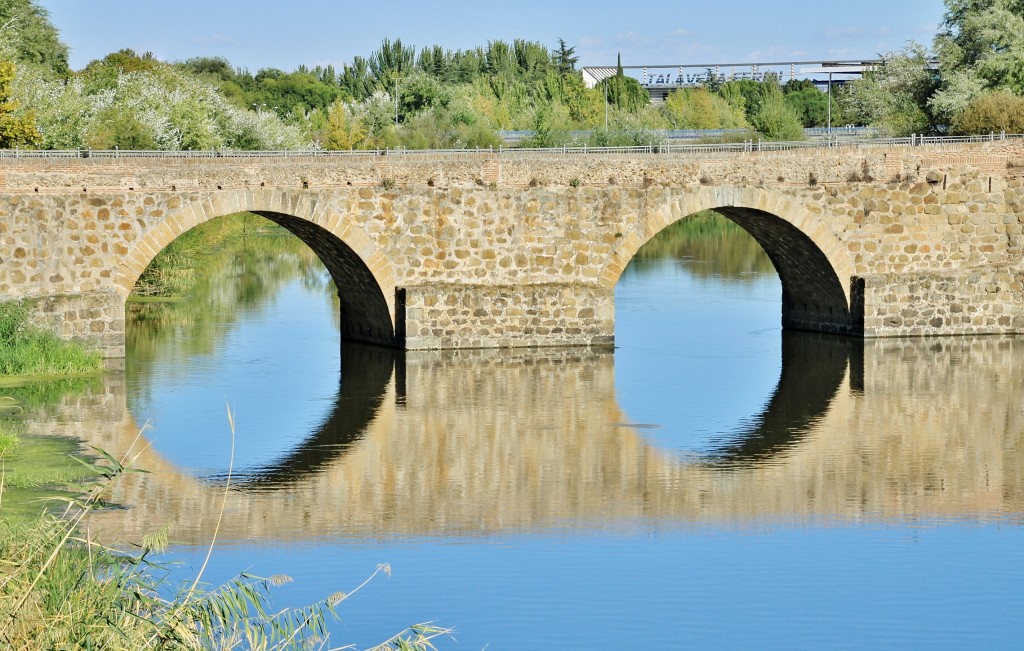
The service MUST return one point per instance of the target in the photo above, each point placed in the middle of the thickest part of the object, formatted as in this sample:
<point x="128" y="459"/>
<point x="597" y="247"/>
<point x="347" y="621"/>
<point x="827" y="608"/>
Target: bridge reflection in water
<point x="476" y="442"/>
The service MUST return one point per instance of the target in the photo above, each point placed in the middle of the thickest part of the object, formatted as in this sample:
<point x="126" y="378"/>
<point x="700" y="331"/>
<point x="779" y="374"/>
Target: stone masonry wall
<point x="474" y="240"/>
<point x="443" y="316"/>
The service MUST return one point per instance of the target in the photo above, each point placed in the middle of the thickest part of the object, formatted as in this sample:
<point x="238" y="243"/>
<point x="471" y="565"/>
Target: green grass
<point x="29" y="351"/>
<point x="35" y="470"/>
<point x="60" y="589"/>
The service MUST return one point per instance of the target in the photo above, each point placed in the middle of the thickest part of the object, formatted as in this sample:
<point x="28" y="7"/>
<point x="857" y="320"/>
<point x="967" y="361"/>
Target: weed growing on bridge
<point x="27" y="350"/>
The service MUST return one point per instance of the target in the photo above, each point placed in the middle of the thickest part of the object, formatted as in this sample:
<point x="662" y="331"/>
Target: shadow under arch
<point x="366" y="372"/>
<point x="813" y="297"/>
<point x="364" y="279"/>
<point x="813" y="368"/>
<point x="365" y="314"/>
<point x="816" y="272"/>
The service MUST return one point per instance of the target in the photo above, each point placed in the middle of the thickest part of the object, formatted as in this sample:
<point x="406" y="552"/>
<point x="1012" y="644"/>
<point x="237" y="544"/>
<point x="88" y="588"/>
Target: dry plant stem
<point x="71" y="527"/>
<point x="220" y="518"/>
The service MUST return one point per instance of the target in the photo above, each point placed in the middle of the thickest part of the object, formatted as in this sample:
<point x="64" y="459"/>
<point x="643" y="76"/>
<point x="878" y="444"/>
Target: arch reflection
<point x="476" y="442"/>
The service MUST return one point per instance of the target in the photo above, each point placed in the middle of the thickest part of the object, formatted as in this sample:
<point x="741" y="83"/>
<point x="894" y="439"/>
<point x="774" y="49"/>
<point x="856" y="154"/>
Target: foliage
<point x="28" y="37"/>
<point x="699" y="108"/>
<point x="894" y="97"/>
<point x="344" y="129"/>
<point x="810" y="105"/>
<point x="28" y="350"/>
<point x="625" y="92"/>
<point x="62" y="589"/>
<point x="985" y="37"/>
<point x="158" y="107"/>
<point x="991" y="112"/>
<point x="17" y="128"/>
<point x="773" y="117"/>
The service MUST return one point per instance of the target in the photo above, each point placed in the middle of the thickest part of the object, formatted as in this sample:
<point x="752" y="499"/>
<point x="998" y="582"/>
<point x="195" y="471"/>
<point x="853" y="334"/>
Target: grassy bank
<point x="29" y="351"/>
<point x="60" y="589"/>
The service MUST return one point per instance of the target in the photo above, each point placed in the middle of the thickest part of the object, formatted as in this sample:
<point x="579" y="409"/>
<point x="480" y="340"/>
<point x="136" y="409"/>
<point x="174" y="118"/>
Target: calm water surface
<point x="713" y="483"/>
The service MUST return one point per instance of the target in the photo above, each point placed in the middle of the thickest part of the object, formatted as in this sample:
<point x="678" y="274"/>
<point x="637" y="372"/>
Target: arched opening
<point x="364" y="281"/>
<point x="702" y="363"/>
<point x="245" y="309"/>
<point x="365" y="315"/>
<point x="813" y="297"/>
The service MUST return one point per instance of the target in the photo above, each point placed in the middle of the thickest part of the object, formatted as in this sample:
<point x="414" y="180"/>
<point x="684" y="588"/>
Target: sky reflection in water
<point x="712" y="483"/>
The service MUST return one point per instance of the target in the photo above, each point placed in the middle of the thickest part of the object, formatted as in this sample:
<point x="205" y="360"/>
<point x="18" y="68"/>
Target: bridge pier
<point x="487" y="316"/>
<point x="95" y="319"/>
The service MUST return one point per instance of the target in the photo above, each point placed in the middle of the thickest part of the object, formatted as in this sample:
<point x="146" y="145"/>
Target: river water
<point x="713" y="482"/>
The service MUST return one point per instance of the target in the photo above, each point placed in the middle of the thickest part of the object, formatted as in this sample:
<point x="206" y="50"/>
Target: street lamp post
<point x="606" y="106"/>
<point x="830" y="107"/>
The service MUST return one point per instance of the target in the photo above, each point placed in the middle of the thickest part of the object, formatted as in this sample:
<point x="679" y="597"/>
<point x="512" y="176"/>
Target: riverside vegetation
<point x="62" y="589"/>
<point x="434" y="97"/>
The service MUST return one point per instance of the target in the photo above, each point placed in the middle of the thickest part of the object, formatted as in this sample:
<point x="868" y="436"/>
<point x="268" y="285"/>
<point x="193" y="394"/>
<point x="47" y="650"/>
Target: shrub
<point x="991" y="113"/>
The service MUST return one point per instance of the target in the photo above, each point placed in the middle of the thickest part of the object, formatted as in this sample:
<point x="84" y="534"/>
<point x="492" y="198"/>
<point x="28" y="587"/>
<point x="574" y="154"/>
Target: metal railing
<point x="661" y="149"/>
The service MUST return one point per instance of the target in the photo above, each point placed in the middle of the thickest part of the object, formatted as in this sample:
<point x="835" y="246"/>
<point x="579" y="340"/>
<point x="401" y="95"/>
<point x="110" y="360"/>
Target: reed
<point x="61" y="589"/>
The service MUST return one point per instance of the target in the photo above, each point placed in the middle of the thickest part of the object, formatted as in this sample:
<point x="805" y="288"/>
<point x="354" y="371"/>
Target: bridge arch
<point x="811" y="261"/>
<point x="362" y="275"/>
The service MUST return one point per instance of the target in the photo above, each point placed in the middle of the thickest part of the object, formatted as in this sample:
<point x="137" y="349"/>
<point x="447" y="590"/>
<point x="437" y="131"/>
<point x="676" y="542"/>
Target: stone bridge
<point x="475" y="250"/>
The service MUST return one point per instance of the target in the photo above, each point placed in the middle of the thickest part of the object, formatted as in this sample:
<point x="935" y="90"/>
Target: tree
<point x="565" y="59"/>
<point x="17" y="129"/>
<point x="699" y="108"/>
<point x="391" y="60"/>
<point x="122" y="130"/>
<point x="343" y="130"/>
<point x="987" y="37"/>
<point x="26" y="28"/>
<point x="773" y="117"/>
<point x="894" y="97"/>
<point x="810" y="104"/>
<point x="625" y="92"/>
<point x="980" y="48"/>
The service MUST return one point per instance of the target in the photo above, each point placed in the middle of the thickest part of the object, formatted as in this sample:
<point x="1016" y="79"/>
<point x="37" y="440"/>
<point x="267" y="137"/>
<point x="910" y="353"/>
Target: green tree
<point x="391" y="60"/>
<point x="17" y="129"/>
<point x="893" y="97"/>
<point x="810" y="104"/>
<point x="344" y="129"/>
<point x="28" y="32"/>
<point x="699" y="108"/>
<point x="625" y="92"/>
<point x="565" y="58"/>
<point x="114" y="128"/>
<point x="773" y="117"/>
<point x="987" y="37"/>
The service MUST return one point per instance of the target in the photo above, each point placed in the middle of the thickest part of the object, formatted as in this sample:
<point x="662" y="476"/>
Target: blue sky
<point x="271" y="33"/>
